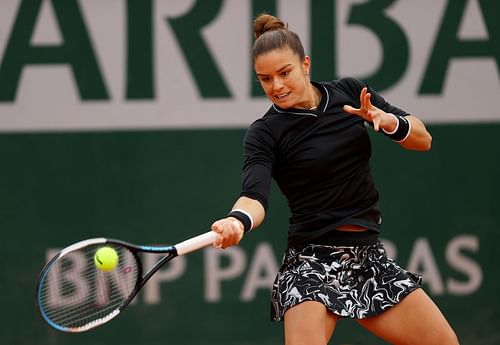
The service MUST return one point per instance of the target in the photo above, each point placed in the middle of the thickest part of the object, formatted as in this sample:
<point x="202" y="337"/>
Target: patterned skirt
<point x="353" y="282"/>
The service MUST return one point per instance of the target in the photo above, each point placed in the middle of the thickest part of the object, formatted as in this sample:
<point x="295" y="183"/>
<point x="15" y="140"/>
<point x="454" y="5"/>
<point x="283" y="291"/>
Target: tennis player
<point x="314" y="142"/>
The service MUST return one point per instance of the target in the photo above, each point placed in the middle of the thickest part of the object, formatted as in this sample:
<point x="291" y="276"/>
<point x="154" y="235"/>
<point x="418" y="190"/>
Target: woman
<point x="314" y="142"/>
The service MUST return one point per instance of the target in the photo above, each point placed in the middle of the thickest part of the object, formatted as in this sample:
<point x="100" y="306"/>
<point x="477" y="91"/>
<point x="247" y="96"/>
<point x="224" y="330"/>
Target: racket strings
<point x="74" y="293"/>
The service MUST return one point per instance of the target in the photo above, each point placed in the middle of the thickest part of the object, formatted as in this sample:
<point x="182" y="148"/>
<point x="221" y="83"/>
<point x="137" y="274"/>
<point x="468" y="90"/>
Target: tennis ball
<point x="106" y="259"/>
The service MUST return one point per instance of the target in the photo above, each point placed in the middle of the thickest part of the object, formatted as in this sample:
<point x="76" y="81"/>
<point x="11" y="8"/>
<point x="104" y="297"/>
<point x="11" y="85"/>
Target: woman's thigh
<point x="309" y="323"/>
<point x="415" y="320"/>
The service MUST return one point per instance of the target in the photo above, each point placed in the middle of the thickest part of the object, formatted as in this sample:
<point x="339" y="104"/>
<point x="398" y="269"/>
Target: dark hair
<point x="272" y="33"/>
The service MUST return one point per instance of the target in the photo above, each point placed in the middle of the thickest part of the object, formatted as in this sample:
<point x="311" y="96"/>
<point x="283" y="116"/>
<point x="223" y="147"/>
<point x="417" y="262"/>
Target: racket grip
<point x="195" y="243"/>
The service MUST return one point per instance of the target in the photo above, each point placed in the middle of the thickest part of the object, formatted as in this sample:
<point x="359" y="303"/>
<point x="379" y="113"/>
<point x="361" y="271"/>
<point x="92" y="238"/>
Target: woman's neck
<point x="315" y="96"/>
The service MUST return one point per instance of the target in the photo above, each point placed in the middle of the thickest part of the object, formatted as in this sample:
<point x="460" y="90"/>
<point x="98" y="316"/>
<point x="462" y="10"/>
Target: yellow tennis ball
<point x="106" y="259"/>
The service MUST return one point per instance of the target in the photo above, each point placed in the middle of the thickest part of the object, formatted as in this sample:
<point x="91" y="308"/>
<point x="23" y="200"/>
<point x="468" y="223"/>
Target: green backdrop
<point x="164" y="186"/>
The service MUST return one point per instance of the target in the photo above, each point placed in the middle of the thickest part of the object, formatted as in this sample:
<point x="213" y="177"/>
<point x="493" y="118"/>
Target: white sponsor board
<point x="46" y="48"/>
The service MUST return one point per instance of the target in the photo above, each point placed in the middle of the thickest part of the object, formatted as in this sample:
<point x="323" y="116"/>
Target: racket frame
<point x="170" y="252"/>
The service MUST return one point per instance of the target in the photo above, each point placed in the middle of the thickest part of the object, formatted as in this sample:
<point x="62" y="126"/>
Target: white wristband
<point x="247" y="223"/>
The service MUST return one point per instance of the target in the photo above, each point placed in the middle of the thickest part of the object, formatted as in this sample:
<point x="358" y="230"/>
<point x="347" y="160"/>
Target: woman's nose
<point x="277" y="84"/>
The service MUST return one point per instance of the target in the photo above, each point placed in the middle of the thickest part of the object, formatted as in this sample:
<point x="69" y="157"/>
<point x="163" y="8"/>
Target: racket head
<point x="73" y="295"/>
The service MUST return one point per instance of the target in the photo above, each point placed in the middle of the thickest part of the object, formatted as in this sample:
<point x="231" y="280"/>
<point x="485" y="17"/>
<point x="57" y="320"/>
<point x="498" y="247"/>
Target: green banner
<point x="440" y="210"/>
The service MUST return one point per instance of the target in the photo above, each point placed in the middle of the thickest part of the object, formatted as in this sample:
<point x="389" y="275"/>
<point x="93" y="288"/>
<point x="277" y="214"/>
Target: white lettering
<point x="422" y="256"/>
<point x="173" y="270"/>
<point x="67" y="287"/>
<point x="464" y="265"/>
<point x="263" y="270"/>
<point x="215" y="274"/>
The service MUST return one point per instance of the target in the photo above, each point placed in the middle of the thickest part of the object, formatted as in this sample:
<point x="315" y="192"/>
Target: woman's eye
<point x="285" y="73"/>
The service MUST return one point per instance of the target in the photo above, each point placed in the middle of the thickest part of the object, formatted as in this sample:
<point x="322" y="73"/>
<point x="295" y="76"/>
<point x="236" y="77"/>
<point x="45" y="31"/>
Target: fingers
<point x="230" y="232"/>
<point x="365" y="105"/>
<point x="365" y="99"/>
<point x="352" y="110"/>
<point x="367" y="110"/>
<point x="376" y="123"/>
<point x="362" y="95"/>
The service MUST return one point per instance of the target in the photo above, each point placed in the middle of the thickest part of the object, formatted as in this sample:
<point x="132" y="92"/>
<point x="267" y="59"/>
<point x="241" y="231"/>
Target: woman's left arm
<point x="418" y="138"/>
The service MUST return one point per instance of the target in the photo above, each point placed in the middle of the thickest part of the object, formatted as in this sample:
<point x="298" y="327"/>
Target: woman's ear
<point x="307" y="65"/>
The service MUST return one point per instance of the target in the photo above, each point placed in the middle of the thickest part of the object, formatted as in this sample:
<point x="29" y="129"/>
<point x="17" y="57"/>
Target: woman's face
<point x="284" y="78"/>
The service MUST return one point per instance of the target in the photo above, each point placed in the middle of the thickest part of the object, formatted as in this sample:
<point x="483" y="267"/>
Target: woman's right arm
<point x="230" y="229"/>
<point x="256" y="179"/>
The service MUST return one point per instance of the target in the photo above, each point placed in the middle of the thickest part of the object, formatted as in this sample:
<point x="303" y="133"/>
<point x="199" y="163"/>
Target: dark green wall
<point x="164" y="186"/>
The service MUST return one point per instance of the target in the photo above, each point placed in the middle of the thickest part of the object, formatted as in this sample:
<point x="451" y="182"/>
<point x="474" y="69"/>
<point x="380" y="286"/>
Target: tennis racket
<point x="73" y="295"/>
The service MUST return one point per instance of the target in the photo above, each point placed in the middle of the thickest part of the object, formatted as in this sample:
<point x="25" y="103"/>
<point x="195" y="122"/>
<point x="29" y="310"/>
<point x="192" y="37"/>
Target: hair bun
<point x="267" y="22"/>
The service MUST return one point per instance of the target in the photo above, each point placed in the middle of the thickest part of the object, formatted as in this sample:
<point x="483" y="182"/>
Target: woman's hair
<point x="272" y="33"/>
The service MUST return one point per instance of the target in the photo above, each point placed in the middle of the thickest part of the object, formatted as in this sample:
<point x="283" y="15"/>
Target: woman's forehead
<point x="276" y="60"/>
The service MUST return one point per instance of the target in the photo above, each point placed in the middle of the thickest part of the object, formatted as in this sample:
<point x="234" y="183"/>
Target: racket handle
<point x="195" y="243"/>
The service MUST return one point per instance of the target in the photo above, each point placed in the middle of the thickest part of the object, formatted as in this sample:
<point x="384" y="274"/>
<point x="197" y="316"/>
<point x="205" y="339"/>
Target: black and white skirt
<point x="353" y="282"/>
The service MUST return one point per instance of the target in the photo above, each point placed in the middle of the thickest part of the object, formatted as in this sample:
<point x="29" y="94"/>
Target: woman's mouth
<point x="282" y="96"/>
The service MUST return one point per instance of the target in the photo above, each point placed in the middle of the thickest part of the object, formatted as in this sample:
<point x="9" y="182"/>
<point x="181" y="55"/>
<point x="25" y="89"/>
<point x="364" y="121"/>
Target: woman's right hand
<point x="230" y="232"/>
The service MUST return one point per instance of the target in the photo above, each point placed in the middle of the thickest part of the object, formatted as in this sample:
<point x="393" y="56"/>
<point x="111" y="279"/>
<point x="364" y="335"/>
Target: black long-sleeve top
<point x="320" y="161"/>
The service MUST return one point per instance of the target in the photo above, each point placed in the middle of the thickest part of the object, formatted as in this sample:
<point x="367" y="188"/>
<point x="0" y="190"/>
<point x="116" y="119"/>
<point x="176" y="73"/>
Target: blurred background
<point x="125" y="119"/>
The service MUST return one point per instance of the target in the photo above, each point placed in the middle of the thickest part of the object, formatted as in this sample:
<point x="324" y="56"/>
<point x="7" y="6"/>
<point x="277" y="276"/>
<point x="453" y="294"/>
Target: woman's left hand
<point x="369" y="112"/>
